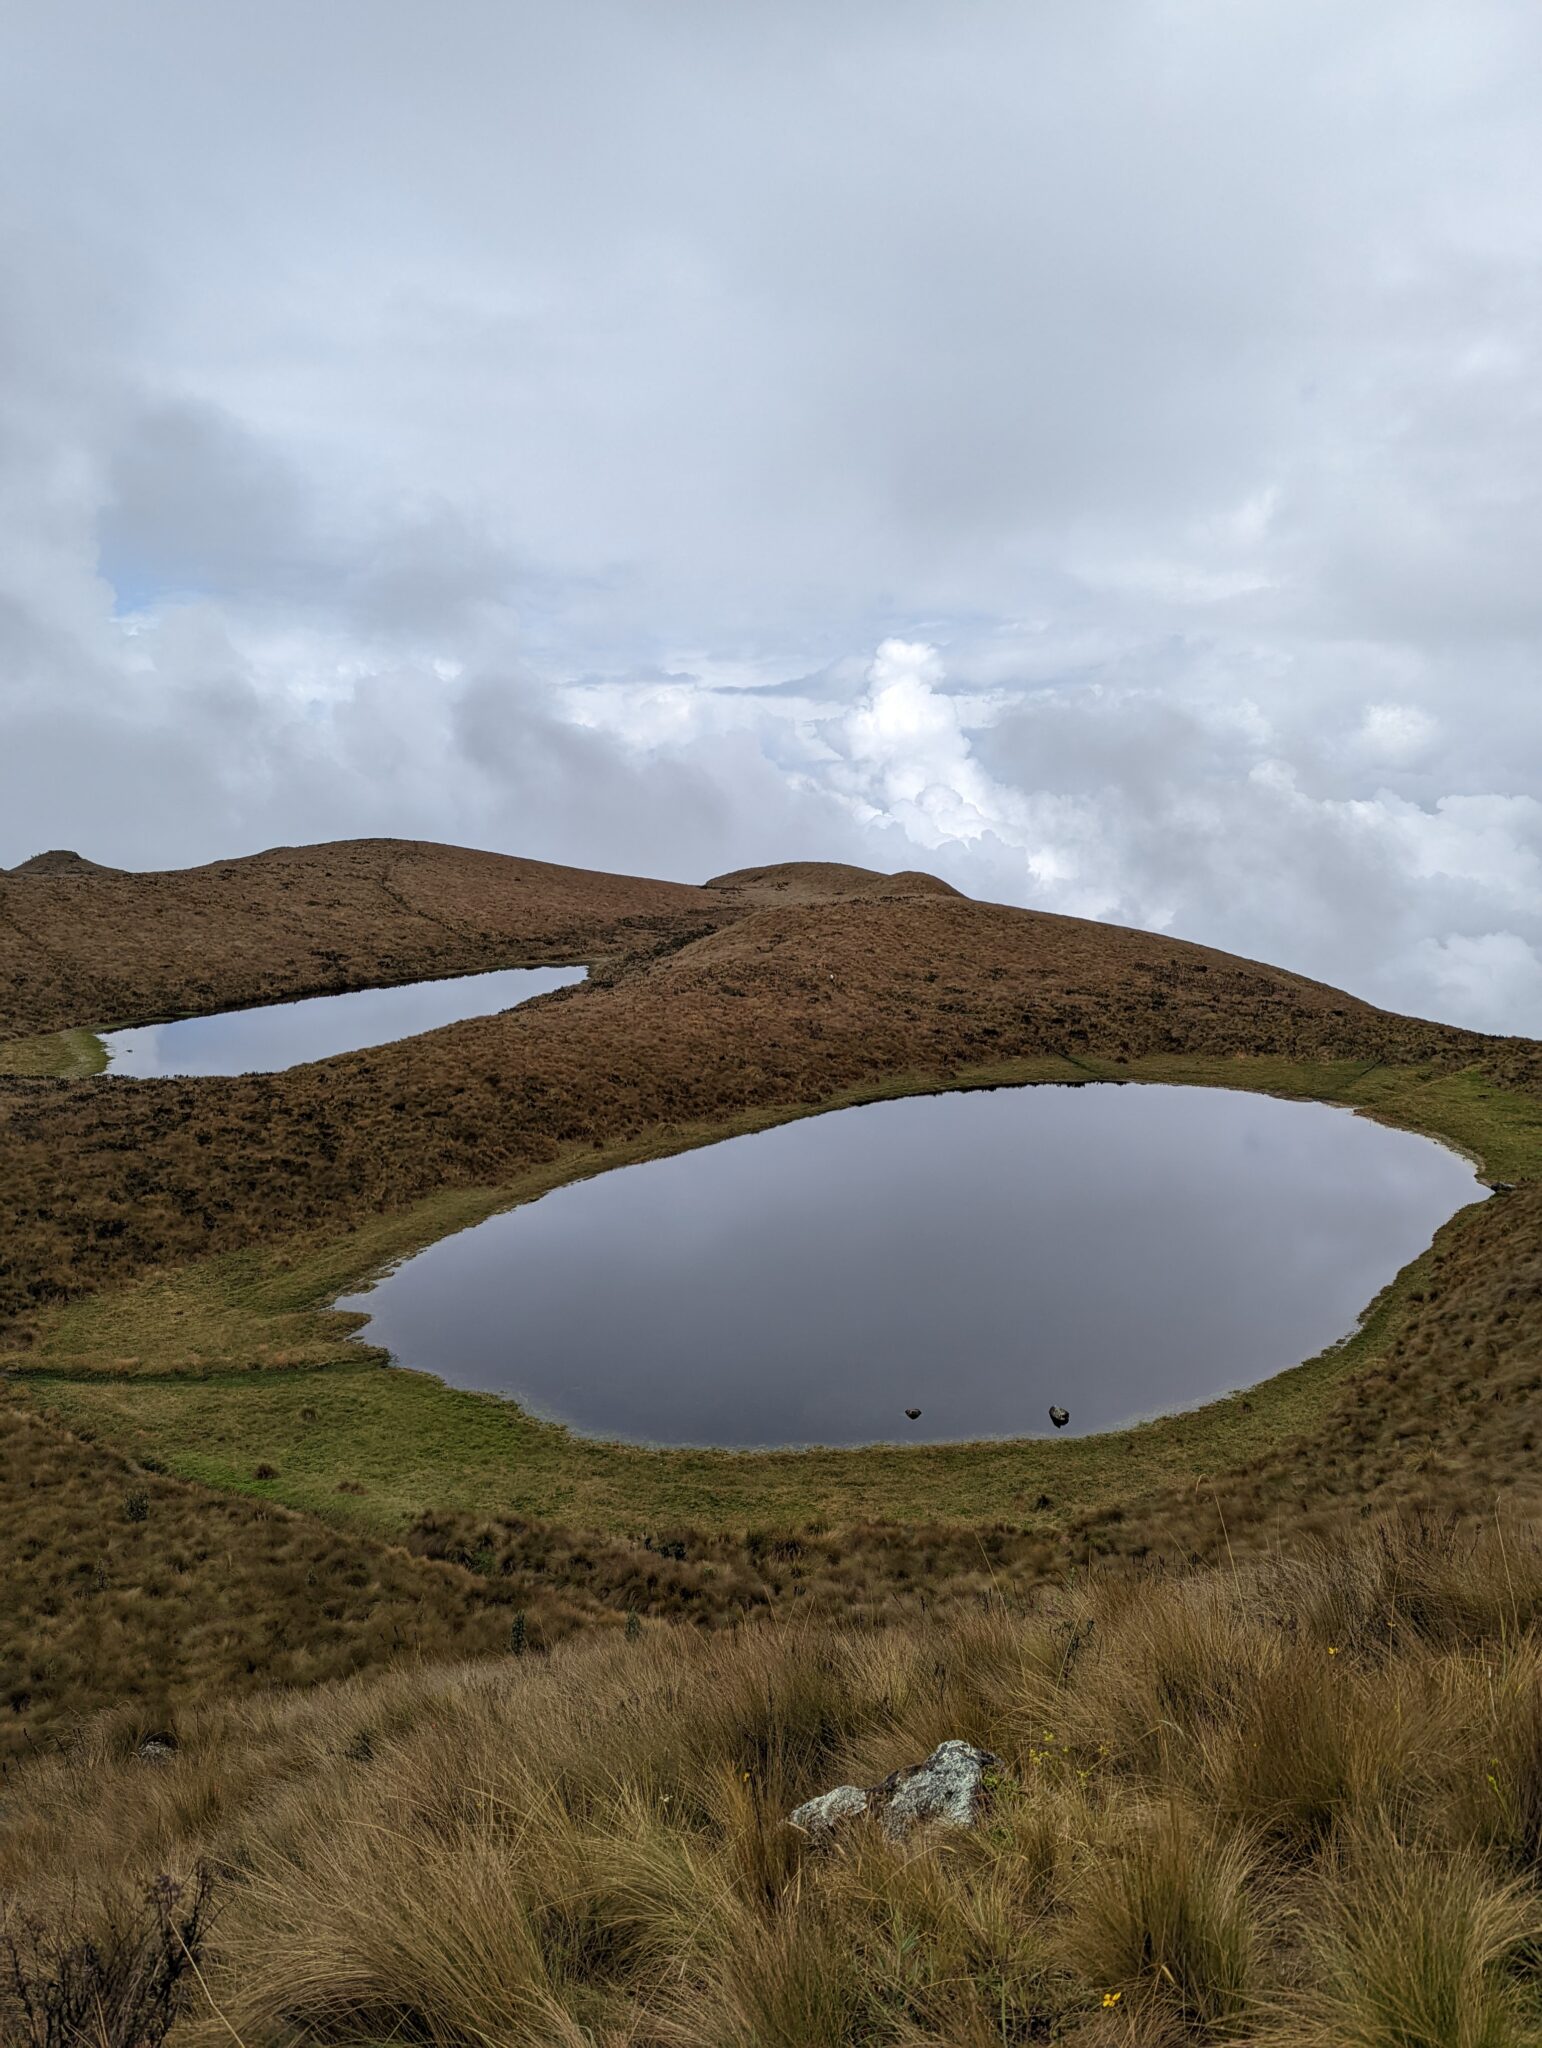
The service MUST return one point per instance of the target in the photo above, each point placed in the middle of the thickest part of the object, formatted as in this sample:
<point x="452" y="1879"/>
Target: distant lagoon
<point x="272" y="1036"/>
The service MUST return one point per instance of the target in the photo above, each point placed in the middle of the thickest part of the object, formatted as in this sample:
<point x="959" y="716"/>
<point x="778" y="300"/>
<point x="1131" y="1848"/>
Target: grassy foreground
<point x="234" y="1366"/>
<point x="1296" y="1804"/>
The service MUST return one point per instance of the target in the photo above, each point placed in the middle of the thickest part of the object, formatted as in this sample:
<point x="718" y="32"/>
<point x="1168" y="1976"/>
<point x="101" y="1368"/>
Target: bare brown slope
<point x="96" y="947"/>
<point x="101" y="1180"/>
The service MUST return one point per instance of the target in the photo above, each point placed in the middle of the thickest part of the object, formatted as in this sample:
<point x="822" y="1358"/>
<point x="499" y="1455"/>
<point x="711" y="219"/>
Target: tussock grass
<point x="1414" y="1943"/>
<point x="589" y="1847"/>
<point x="1294" y="1799"/>
<point x="1162" y="1910"/>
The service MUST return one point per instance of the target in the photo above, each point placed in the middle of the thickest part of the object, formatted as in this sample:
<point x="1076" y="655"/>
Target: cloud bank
<point x="1094" y="455"/>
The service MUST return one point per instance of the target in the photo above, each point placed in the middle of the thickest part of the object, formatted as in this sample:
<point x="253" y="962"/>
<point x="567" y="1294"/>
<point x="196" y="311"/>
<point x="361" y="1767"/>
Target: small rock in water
<point x="913" y="1413"/>
<point x="952" y="1788"/>
<point x="1060" y="1417"/>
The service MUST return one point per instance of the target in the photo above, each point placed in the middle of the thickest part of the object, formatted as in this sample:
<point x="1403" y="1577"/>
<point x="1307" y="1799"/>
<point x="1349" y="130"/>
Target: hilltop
<point x="60" y="860"/>
<point x="818" y="881"/>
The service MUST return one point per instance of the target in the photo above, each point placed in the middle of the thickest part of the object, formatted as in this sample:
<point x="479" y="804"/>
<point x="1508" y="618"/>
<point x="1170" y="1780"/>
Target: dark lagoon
<point x="277" y="1035"/>
<point x="1120" y="1251"/>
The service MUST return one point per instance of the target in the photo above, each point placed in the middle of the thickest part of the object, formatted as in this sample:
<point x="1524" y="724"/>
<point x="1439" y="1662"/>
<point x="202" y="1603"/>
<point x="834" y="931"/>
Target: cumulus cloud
<point x="902" y="753"/>
<point x="1093" y="455"/>
<point x="1395" y="733"/>
<point x="1491" y="978"/>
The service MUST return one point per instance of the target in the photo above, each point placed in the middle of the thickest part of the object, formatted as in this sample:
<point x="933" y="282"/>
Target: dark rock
<point x="1060" y="1417"/>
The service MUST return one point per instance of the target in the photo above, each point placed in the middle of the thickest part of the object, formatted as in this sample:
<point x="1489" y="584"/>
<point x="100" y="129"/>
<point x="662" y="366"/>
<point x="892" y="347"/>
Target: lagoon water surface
<point x="1120" y="1251"/>
<point x="273" y="1036"/>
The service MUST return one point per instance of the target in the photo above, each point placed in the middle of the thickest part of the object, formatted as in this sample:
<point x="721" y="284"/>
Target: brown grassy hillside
<point x="773" y="1008"/>
<point x="1292" y="1797"/>
<point x="821" y="881"/>
<point x="767" y="991"/>
<point x="98" y="947"/>
<point x="130" y="1589"/>
<point x="61" y="860"/>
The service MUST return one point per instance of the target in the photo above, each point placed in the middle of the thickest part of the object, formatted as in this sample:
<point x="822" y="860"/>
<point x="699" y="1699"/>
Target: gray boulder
<point x="951" y="1789"/>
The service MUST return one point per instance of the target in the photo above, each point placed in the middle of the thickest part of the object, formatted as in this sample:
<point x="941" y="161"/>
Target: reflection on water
<point x="277" y="1035"/>
<point x="1120" y="1251"/>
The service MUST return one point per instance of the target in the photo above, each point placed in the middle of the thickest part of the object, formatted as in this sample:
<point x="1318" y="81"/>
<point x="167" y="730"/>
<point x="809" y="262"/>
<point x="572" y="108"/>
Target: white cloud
<point x="1395" y="733"/>
<point x="904" y="756"/>
<point x="1494" y="979"/>
<point x="528" y="430"/>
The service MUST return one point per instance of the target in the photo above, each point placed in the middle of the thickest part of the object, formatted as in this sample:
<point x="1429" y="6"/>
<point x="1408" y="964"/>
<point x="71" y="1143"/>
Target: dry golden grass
<point x="589" y="1848"/>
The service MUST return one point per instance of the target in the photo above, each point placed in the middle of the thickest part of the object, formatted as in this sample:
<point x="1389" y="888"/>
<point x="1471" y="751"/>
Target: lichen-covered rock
<point x="819" y="1816"/>
<point x="951" y="1789"/>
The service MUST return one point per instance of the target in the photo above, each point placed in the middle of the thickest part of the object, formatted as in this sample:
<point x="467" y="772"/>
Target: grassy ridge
<point x="202" y="1368"/>
<point x="81" y="944"/>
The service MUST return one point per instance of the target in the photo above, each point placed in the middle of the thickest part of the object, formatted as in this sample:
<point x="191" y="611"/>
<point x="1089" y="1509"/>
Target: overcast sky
<point x="1089" y="448"/>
